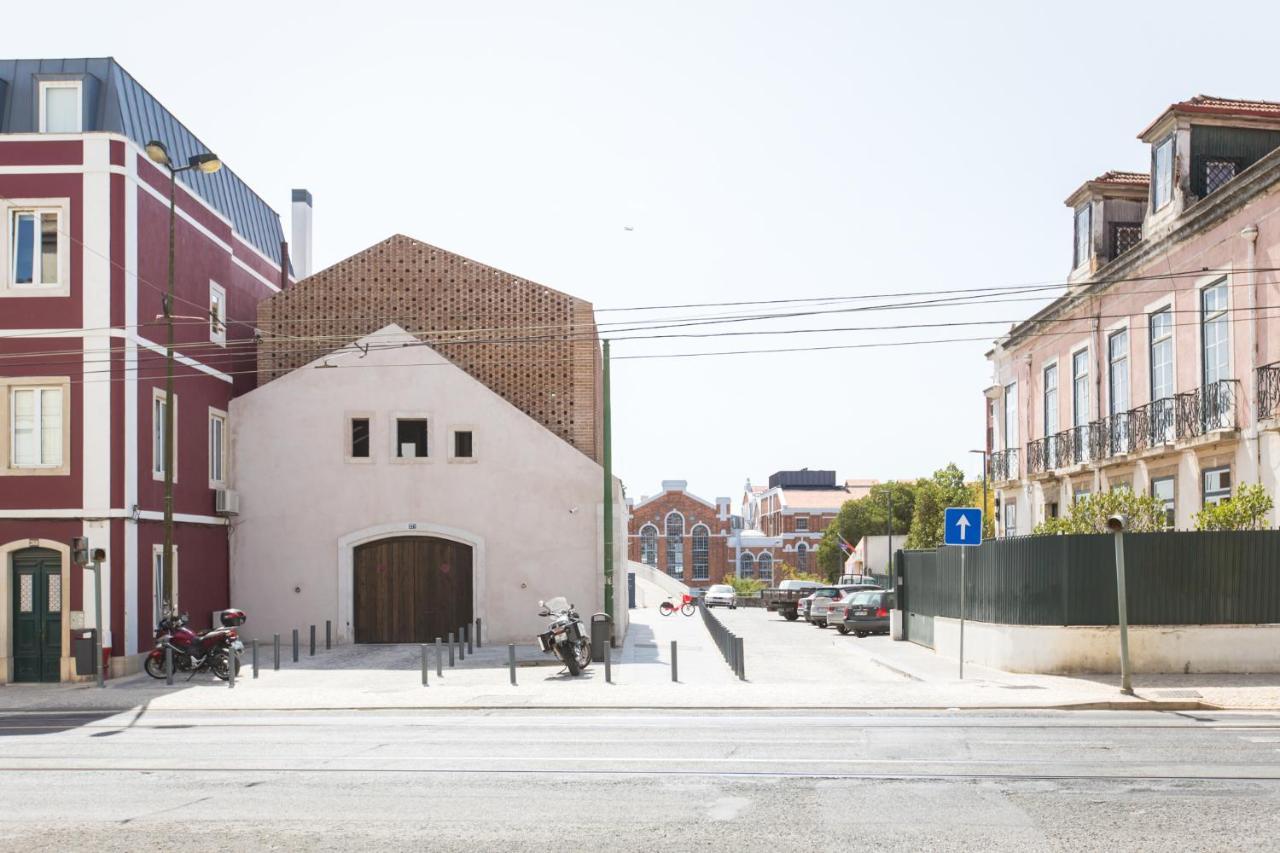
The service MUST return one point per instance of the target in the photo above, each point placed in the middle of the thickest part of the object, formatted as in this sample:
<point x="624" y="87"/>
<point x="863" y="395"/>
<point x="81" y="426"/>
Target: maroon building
<point x="84" y="229"/>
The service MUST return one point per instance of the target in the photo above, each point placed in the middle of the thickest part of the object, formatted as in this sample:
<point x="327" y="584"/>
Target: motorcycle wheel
<point x="665" y="608"/>
<point x="584" y="655"/>
<point x="570" y="659"/>
<point x="155" y="667"/>
<point x="220" y="666"/>
<point x="687" y="610"/>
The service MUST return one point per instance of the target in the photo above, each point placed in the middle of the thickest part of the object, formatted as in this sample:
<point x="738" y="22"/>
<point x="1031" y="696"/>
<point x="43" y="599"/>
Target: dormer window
<point x="1217" y="173"/>
<point x="60" y="106"/>
<point x="1162" y="174"/>
<point x="1083" y="235"/>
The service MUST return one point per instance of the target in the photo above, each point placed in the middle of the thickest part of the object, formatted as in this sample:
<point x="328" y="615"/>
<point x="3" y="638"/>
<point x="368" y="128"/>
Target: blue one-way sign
<point x="962" y="526"/>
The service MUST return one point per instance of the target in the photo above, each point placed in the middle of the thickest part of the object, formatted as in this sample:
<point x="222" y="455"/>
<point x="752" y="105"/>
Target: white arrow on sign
<point x="963" y="524"/>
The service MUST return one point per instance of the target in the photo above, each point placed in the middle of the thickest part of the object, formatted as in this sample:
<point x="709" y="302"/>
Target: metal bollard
<point x="608" y="667"/>
<point x="168" y="665"/>
<point x="275" y="642"/>
<point x="674" y="669"/>
<point x="741" y="658"/>
<point x="450" y="649"/>
<point x="255" y="657"/>
<point x="479" y="640"/>
<point x="328" y="635"/>
<point x="511" y="662"/>
<point x="424" y="664"/>
<point x="462" y="653"/>
<point x="295" y="645"/>
<point x="232" y="660"/>
<point x="471" y="650"/>
<point x="439" y="659"/>
<point x="313" y="641"/>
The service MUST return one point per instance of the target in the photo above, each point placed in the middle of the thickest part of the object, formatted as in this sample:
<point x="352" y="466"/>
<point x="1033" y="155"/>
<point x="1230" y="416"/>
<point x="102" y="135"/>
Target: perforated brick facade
<point x="534" y="346"/>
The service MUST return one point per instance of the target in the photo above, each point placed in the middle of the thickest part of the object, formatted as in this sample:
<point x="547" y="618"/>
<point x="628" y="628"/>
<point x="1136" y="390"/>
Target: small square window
<point x="802" y="522"/>
<point x="462" y="444"/>
<point x="217" y="314"/>
<point x="360" y="438"/>
<point x="411" y="438"/>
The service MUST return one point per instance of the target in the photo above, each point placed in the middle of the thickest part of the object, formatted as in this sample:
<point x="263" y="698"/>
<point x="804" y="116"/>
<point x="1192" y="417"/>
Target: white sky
<point x="759" y="150"/>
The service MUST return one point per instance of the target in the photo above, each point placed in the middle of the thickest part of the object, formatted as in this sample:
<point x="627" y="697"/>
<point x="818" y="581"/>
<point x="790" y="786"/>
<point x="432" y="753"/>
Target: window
<point x="1080" y="388"/>
<point x="802" y="557"/>
<point x="1118" y="485"/>
<point x="1011" y="415"/>
<point x="1124" y="236"/>
<point x="1079" y="494"/>
<point x="411" y="438"/>
<point x="1118" y="389"/>
<point x="1083" y="236"/>
<point x="60" y="110"/>
<point x="1162" y="174"/>
<point x="675" y="544"/>
<point x="701" y="552"/>
<point x="1162" y="489"/>
<point x="157" y="581"/>
<point x="217" y="448"/>
<point x="649" y="545"/>
<point x="1217" y="485"/>
<point x="764" y="566"/>
<point x="217" y="314"/>
<point x="36" y="427"/>
<point x="359" y="438"/>
<point x="33" y="236"/>
<point x="462" y="444"/>
<point x="802" y="522"/>
<point x="1215" y="334"/>
<point x="158" y="407"/>
<point x="1216" y="174"/>
<point x="1050" y="416"/>
<point x="1011" y="518"/>
<point x="1051" y="509"/>
<point x="746" y="566"/>
<point x="1162" y="421"/>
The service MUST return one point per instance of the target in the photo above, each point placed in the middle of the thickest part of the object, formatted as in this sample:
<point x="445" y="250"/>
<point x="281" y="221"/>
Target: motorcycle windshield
<point x="559" y="604"/>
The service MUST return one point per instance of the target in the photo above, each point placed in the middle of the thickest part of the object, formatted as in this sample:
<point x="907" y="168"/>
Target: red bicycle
<point x="685" y="606"/>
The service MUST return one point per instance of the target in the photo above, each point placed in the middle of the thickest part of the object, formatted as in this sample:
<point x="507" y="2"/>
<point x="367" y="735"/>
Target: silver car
<point x="720" y="595"/>
<point x="834" y="597"/>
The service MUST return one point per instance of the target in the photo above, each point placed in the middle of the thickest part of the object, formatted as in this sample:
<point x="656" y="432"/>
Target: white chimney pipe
<point x="301" y="254"/>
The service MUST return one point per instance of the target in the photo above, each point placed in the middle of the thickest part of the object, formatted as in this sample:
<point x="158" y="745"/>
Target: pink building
<point x="1159" y="368"/>
<point x="84" y="227"/>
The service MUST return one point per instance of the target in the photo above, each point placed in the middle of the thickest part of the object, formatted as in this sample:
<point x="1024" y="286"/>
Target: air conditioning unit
<point x="226" y="502"/>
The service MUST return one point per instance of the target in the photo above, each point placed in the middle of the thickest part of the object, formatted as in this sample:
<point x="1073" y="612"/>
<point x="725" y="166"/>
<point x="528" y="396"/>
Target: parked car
<point x="720" y="595"/>
<point x="863" y="613"/>
<point x="785" y="598"/>
<point x="833" y="595"/>
<point x="803" y="605"/>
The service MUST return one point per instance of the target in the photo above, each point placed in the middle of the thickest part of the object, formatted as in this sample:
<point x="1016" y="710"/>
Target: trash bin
<point x="601" y="627"/>
<point x="82" y="643"/>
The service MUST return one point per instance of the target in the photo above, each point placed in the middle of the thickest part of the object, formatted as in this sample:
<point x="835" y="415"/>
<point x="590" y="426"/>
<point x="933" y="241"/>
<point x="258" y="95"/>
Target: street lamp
<point x="208" y="164"/>
<point x="984" y="490"/>
<point x="1116" y="524"/>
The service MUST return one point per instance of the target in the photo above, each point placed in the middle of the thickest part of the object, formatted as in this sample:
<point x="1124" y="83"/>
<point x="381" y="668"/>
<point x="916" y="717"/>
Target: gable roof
<point x="1211" y="105"/>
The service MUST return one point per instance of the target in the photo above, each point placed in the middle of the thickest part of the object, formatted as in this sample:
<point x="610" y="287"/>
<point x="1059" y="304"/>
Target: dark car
<point x="866" y="613"/>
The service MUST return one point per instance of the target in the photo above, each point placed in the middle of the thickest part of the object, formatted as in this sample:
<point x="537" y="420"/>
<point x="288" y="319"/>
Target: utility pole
<point x="607" y="463"/>
<point x="889" y="569"/>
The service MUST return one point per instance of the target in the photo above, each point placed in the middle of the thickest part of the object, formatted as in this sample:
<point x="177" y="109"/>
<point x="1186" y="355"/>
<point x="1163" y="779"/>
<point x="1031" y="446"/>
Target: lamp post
<point x="207" y="163"/>
<point x="1116" y="524"/>
<point x="984" y="489"/>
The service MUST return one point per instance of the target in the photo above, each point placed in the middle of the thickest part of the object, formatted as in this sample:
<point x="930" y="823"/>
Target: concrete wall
<point x="654" y="587"/>
<point x="529" y="504"/>
<point x="1079" y="649"/>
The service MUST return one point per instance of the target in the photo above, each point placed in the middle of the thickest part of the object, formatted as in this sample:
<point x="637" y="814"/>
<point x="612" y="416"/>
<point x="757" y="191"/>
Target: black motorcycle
<point x="565" y="637"/>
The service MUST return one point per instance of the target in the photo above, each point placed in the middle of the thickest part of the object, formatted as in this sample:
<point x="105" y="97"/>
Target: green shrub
<point x="1247" y="510"/>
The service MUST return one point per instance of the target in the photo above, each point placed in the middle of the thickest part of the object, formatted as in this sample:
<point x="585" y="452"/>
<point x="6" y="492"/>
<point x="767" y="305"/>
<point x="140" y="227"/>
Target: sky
<point x="666" y="153"/>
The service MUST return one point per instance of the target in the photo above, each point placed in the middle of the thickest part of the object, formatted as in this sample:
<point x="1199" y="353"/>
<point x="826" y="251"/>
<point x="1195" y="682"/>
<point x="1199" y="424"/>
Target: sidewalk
<point x="813" y="669"/>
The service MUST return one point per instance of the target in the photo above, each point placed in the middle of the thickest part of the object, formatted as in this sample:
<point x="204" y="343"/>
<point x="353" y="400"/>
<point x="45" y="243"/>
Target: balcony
<point x="1004" y="465"/>
<point x="1269" y="391"/>
<point x="1161" y="422"/>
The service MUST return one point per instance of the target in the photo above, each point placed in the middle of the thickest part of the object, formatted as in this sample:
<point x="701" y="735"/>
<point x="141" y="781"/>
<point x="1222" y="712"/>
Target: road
<point x="640" y="780"/>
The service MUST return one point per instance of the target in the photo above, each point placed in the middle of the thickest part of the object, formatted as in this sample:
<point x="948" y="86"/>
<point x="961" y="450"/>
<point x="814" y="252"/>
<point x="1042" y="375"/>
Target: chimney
<point x="301" y="233"/>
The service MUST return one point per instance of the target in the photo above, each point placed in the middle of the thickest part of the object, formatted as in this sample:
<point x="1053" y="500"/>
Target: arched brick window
<point x="675" y="544"/>
<point x="649" y="545"/>
<point x="701" y="552"/>
<point x="746" y="566"/>
<point x="765" y="565"/>
<point x="802" y="557"/>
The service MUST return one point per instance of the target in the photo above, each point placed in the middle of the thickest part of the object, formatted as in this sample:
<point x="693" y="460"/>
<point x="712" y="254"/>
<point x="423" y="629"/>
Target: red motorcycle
<point x="216" y="650"/>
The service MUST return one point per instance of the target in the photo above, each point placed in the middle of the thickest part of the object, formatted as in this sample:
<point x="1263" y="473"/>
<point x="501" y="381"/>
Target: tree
<point x="1248" y="510"/>
<point x="866" y="516"/>
<point x="744" y="586"/>
<point x="946" y="488"/>
<point x="1089" y="514"/>
<point x="787" y="572"/>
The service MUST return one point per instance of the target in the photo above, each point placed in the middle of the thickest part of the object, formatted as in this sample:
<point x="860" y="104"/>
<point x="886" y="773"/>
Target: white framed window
<point x="746" y="566"/>
<point x="1217" y="485"/>
<point x="1162" y="489"/>
<point x="802" y="522"/>
<point x="61" y="106"/>
<point x="217" y="314"/>
<point x="675" y="544"/>
<point x="158" y="405"/>
<point x="1084" y="235"/>
<point x="1011" y="518"/>
<point x="34" y="259"/>
<point x="157" y="581"/>
<point x="1162" y="173"/>
<point x="701" y="552"/>
<point x="36" y="426"/>
<point x="411" y="438"/>
<point x="649" y="545"/>
<point x="217" y="448"/>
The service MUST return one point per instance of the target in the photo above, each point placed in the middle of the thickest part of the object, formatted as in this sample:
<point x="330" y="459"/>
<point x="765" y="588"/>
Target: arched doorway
<point x="411" y="589"/>
<point x="36" y="614"/>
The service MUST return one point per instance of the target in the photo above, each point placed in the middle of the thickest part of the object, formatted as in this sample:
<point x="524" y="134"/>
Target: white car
<point x="721" y="595"/>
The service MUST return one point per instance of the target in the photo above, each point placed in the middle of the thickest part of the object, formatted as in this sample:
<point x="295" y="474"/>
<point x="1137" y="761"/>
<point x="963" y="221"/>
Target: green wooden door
<point x="37" y="615"/>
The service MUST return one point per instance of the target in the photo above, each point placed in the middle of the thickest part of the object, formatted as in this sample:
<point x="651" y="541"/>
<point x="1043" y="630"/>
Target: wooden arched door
<point x="411" y="589"/>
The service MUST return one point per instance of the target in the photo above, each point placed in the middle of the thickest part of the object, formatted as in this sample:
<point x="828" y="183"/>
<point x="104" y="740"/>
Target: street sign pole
<point x="962" y="526"/>
<point x="962" y="550"/>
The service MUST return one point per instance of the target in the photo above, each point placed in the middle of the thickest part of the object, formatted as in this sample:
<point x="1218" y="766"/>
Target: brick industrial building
<point x="679" y="533"/>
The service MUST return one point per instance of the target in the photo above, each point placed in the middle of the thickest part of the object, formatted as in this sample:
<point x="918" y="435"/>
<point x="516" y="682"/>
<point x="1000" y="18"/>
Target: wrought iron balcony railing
<point x="1211" y="407"/>
<point x="1268" y="391"/>
<point x="1004" y="464"/>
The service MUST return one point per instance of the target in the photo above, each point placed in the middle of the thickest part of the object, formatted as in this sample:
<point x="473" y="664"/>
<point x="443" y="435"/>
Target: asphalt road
<point x="633" y="780"/>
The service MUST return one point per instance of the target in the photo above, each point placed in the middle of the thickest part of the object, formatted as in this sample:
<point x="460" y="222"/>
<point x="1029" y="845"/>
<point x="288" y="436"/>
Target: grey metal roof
<point x="114" y="102"/>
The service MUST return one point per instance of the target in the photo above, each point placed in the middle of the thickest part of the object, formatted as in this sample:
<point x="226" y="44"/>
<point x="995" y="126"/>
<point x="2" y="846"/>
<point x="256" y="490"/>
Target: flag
<point x="844" y="544"/>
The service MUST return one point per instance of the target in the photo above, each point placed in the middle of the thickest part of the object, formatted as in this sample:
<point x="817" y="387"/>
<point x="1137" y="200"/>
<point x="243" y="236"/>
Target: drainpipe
<point x="1097" y="381"/>
<point x="1250" y="236"/>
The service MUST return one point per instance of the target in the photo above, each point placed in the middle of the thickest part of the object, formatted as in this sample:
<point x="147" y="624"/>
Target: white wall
<point x="529" y="503"/>
<point x="1079" y="649"/>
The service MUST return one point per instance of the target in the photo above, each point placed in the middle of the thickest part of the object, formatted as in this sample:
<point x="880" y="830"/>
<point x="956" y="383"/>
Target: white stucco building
<point x="389" y="491"/>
